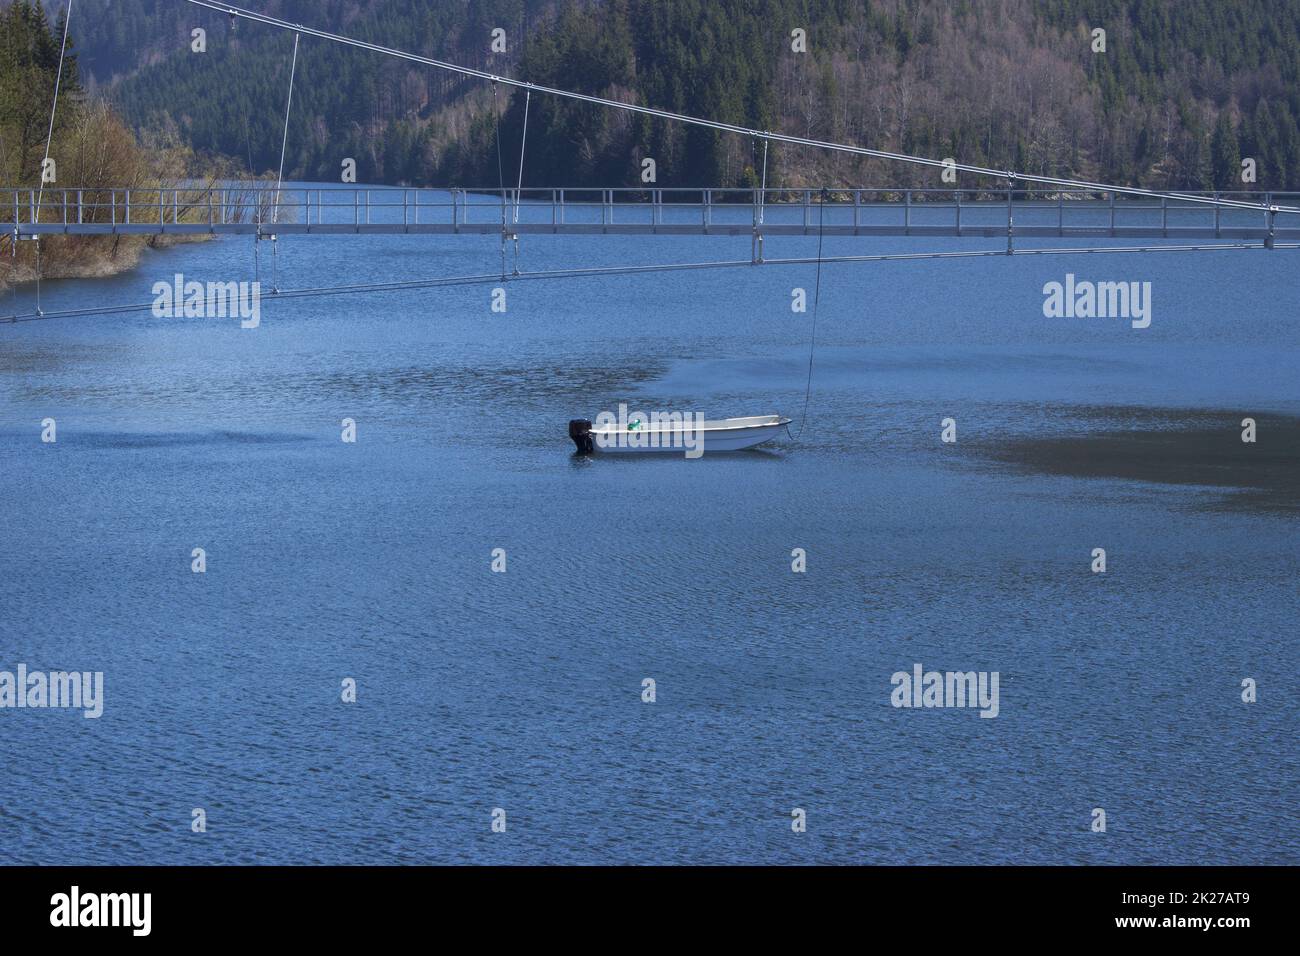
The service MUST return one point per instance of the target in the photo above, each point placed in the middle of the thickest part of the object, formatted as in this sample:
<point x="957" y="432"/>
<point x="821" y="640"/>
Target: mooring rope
<point x="817" y="295"/>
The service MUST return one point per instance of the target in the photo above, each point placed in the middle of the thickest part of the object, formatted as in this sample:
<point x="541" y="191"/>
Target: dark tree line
<point x="29" y="66"/>
<point x="1184" y="91"/>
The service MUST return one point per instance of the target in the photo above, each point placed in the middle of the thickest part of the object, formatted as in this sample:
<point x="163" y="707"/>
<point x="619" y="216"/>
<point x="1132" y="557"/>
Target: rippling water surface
<point x="522" y="690"/>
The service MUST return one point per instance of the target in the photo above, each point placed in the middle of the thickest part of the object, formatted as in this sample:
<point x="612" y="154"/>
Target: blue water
<point x="522" y="690"/>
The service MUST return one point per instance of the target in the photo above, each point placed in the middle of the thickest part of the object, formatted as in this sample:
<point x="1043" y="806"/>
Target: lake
<point x="476" y="690"/>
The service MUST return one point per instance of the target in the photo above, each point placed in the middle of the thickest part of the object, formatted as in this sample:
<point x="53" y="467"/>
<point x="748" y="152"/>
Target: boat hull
<point x="730" y="434"/>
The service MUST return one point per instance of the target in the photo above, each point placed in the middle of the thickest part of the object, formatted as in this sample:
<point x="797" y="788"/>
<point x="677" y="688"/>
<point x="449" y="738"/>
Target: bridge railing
<point x="109" y="206"/>
<point x="263" y="208"/>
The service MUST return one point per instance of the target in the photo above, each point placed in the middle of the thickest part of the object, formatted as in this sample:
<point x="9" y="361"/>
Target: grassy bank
<point x="89" y="149"/>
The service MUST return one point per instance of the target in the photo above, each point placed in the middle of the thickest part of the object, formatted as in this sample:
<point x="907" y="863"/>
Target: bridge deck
<point x="256" y="209"/>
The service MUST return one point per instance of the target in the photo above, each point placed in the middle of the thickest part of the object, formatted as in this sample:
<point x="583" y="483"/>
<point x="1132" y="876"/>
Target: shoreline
<point x="123" y="255"/>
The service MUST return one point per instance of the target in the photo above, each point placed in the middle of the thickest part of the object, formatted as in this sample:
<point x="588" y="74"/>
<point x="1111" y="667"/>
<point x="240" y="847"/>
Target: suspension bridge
<point x="263" y="209"/>
<point x="1012" y="206"/>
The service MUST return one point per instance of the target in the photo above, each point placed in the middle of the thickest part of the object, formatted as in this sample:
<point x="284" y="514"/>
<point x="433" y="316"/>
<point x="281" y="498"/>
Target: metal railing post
<point x="1011" y="220"/>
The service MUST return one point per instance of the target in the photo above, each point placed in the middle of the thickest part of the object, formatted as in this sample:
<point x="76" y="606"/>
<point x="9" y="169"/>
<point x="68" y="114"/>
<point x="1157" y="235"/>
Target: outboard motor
<point x="580" y="432"/>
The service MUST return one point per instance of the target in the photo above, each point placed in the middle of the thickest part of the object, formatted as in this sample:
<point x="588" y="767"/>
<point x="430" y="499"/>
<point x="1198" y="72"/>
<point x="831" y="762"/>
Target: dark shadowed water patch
<point x="485" y="383"/>
<point x="1204" y="448"/>
<point x="177" y="439"/>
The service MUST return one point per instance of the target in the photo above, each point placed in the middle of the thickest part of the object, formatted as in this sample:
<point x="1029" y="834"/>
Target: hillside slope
<point x="1184" y="89"/>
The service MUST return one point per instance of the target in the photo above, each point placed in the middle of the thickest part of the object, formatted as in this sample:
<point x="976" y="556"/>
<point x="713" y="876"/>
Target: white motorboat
<point x="689" y="437"/>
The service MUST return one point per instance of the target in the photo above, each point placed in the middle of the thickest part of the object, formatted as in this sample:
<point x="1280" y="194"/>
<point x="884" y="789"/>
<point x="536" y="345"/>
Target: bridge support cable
<point x="49" y="137"/>
<point x="756" y="246"/>
<point x="284" y="139"/>
<point x="279" y="176"/>
<point x="501" y="178"/>
<point x="1061" y="183"/>
<point x="13" y="255"/>
<point x="523" y="143"/>
<point x="248" y="136"/>
<point x="1010" y="218"/>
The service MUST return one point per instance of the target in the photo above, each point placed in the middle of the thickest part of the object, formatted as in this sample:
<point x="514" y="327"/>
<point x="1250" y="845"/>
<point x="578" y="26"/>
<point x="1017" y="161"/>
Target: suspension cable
<point x="284" y="140"/>
<point x="742" y="130"/>
<point x="279" y="176"/>
<point x="501" y="179"/>
<point x="248" y="136"/>
<point x="49" y="136"/>
<point x="601" y="271"/>
<point x="523" y="142"/>
<point x="58" y="79"/>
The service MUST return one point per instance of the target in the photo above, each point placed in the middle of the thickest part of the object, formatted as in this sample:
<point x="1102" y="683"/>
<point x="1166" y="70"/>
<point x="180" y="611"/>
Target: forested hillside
<point x="1183" y="91"/>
